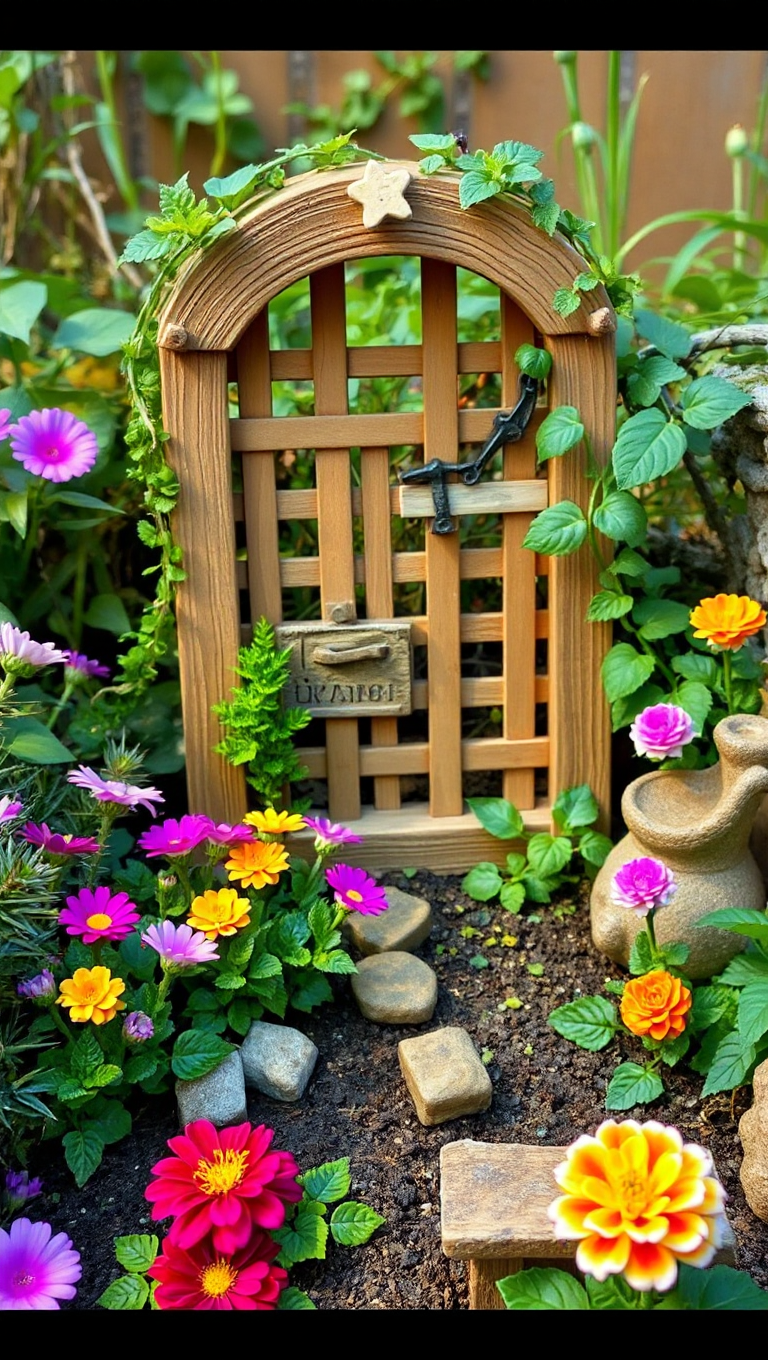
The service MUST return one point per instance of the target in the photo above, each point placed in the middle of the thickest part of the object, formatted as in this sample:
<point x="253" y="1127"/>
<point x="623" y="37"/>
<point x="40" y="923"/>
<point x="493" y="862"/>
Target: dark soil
<point x="356" y="1105"/>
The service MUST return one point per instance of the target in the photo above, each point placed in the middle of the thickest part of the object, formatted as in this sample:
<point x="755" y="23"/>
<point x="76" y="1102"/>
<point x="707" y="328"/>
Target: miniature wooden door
<point x="355" y="658"/>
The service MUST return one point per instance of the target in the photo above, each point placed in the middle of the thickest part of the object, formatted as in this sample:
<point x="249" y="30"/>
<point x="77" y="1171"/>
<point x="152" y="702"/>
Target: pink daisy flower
<point x="331" y="833"/>
<point x="9" y="808"/>
<point x="53" y="444"/>
<point x="75" y="661"/>
<point x="179" y="947"/>
<point x="20" y="654"/>
<point x="114" y="790"/>
<point x="98" y="915"/>
<point x="36" y="1268"/>
<point x="175" y="837"/>
<point x="221" y="833"/>
<point x="56" y="843"/>
<point x="355" y="890"/>
<point x="5" y="423"/>
<point x="201" y="1279"/>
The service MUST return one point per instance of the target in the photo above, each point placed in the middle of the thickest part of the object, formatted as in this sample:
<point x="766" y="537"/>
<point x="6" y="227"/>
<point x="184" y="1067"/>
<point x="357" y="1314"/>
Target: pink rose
<point x="661" y="731"/>
<point x="642" y="884"/>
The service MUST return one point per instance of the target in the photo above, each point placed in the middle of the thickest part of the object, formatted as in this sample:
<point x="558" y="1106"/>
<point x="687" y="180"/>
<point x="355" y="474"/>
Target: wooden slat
<point x="323" y="431"/>
<point x="519" y="586"/>
<point x="480" y="753"/>
<point x="379" y="601"/>
<point x="583" y="375"/>
<point x="194" y="399"/>
<point x="486" y="498"/>
<point x="441" y="436"/>
<point x="479" y="692"/>
<point x="385" y="361"/>
<point x="259" y="492"/>
<point x="475" y="627"/>
<point x="334" y="514"/>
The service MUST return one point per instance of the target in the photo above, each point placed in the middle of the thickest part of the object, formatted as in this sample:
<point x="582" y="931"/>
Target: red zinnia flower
<point x="224" y="1182"/>
<point x="201" y="1278"/>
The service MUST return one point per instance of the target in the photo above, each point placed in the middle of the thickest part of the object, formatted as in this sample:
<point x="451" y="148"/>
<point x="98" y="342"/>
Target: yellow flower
<point x="91" y="994"/>
<point x="219" y="913"/>
<point x="638" y="1201"/>
<point x="273" y="823"/>
<point x="727" y="620"/>
<point x="255" y="863"/>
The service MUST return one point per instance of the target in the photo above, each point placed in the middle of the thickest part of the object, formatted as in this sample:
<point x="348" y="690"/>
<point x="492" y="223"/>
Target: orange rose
<point x="655" y="1004"/>
<point x="727" y="620"/>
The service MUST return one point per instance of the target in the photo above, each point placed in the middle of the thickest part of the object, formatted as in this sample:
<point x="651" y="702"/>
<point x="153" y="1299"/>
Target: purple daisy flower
<point x="329" y="833"/>
<point x="20" y="655"/>
<point x="179" y="947"/>
<point x="8" y="808"/>
<point x="642" y="884"/>
<point x="57" y="843"/>
<point x="75" y="661"/>
<point x="661" y="731"/>
<point x="5" y="423"/>
<point x="53" y="444"/>
<point x="36" y="1268"/>
<point x="355" y="890"/>
<point x="114" y="790"/>
<point x="41" y="987"/>
<point x="175" y="837"/>
<point x="221" y="833"/>
<point x="137" y="1028"/>
<point x="98" y="915"/>
<point x="19" y="1188"/>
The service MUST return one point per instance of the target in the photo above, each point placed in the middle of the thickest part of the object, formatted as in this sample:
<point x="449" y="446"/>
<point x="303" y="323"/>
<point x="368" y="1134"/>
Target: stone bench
<point x="493" y="1213"/>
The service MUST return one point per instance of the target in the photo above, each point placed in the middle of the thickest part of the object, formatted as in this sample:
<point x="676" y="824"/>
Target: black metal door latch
<point x="508" y="427"/>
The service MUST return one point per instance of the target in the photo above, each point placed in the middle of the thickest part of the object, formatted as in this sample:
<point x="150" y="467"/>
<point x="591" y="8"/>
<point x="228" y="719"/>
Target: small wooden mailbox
<point x="214" y="331"/>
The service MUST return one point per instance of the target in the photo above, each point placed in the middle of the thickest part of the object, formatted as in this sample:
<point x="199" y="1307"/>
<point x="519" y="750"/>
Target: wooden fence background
<point x="690" y="101"/>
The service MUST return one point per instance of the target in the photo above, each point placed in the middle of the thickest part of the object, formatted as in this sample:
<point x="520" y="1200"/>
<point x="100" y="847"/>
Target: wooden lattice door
<point x="553" y="727"/>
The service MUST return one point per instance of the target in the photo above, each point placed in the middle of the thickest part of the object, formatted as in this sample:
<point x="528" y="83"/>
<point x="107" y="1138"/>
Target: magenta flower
<point x="56" y="843"/>
<point x="661" y="731"/>
<point x="42" y="987"/>
<point x="179" y="947"/>
<point x="19" y="655"/>
<point x="174" y="837"/>
<point x="642" y="884"/>
<point x="221" y="833"/>
<point x="330" y="833"/>
<point x="97" y="915"/>
<point x="36" y="1269"/>
<point x="355" y="890"/>
<point x="19" y="1188"/>
<point x="53" y="444"/>
<point x="5" y="424"/>
<point x="75" y="661"/>
<point x="114" y="790"/>
<point x="9" y="809"/>
<point x="137" y="1028"/>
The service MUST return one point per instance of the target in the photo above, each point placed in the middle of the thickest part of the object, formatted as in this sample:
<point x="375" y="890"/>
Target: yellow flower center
<point x="632" y="1191"/>
<point x="354" y="894"/>
<point x="90" y="992"/>
<point x="99" y="921"/>
<point x="222" y="1174"/>
<point x="67" y="837"/>
<point x="217" y="1278"/>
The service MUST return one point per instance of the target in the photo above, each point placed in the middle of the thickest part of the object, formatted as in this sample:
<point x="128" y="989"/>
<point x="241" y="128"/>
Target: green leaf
<point x="709" y="1004"/>
<point x="430" y="141"/>
<point x="674" y="955"/>
<point x="95" y="330"/>
<point x="83" y="1151"/>
<point x="720" y="1287"/>
<point x="652" y="374"/>
<point x="516" y="864"/>
<point x="697" y="666"/>
<point x="709" y="401"/>
<point x="660" y="618"/>
<point x="672" y="1050"/>
<point x="751" y="966"/>
<point x="20" y="306"/>
<point x="672" y="339"/>
<point x="537" y="889"/>
<point x="624" y="670"/>
<point x="479" y="961"/>
<point x="595" y="848"/>
<point x="233" y="189"/>
<point x="32" y="742"/>
<point x="575" y="807"/>
<point x="107" y="612"/>
<point x="353" y="1223"/>
<point x="267" y="965"/>
<point x="483" y="882"/>
<point x="590" y="1022"/>
<point x="621" y="516"/>
<point x="512" y="896"/>
<point x="742" y="920"/>
<point x="558" y="530"/>
<point x="85" y="502"/>
<point x="129" y="1293"/>
<point x="560" y="431"/>
<point x="474" y="186"/>
<point x="196" y="1053"/>
<point x="548" y="855"/>
<point x="533" y="361"/>
<point x="114" y="1121"/>
<point x="566" y="301"/>
<point x="730" y="1065"/>
<point x="86" y="1056"/>
<point x="500" y="817"/>
<point x="648" y="446"/>
<point x="542" y="1289"/>
<point x="613" y="1294"/>
<point x="328" y="1182"/>
<point x="641" y="955"/>
<point x="293" y="1298"/>
<point x="696" y="699"/>
<point x="137" y="1252"/>
<point x="14" y="506"/>
<point x="753" y="1012"/>
<point x="606" y="605"/>
<point x="230" y="982"/>
<point x="336" y="961"/>
<point x="305" y="1238"/>
<point x="545" y="216"/>
<point x="314" y="991"/>
<point x="632" y="1085"/>
<point x="628" y="563"/>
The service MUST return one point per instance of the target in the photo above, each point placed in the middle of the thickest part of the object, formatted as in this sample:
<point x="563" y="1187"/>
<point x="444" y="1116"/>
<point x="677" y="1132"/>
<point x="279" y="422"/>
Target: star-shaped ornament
<point x="381" y="193"/>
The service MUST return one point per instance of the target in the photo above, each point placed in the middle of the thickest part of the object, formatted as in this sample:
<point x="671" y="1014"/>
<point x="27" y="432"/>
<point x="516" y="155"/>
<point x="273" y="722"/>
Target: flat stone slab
<point x="218" y="1096"/>
<point x="444" y="1075"/>
<point x="405" y="925"/>
<point x="277" y="1060"/>
<point x="395" y="989"/>
<point x="753" y="1132"/>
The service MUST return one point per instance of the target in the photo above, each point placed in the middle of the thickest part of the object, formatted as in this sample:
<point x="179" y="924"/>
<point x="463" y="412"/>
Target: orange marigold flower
<point x="655" y="1004"/>
<point x="255" y="863"/>
<point x="272" y="823"/>
<point x="92" y="994"/>
<point x="727" y="621"/>
<point x="219" y="913"/>
<point x="638" y="1200"/>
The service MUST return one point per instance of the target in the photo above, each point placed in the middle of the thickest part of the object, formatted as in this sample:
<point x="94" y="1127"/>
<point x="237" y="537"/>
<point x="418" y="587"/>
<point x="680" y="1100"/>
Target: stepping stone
<point x="753" y="1132"/>
<point x="395" y="989"/>
<point x="218" y="1096"/>
<point x="404" y="925"/>
<point x="444" y="1075"/>
<point x="277" y="1060"/>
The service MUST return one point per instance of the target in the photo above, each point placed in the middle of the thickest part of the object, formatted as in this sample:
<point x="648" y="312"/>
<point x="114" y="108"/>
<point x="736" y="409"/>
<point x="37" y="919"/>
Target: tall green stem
<point x="118" y="163"/>
<point x="220" y="146"/>
<point x="728" y="680"/>
<point x="613" y="205"/>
